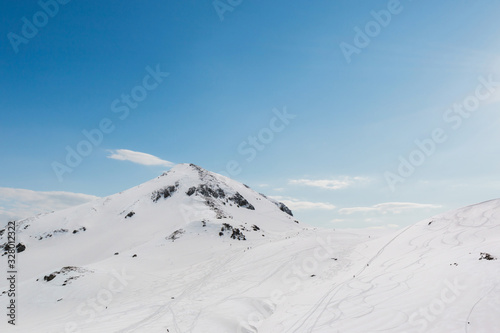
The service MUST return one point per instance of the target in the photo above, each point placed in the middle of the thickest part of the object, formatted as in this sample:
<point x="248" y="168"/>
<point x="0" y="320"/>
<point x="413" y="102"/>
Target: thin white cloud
<point x="137" y="157"/>
<point x="330" y="184"/>
<point x="296" y="204"/>
<point x="18" y="203"/>
<point x="388" y="208"/>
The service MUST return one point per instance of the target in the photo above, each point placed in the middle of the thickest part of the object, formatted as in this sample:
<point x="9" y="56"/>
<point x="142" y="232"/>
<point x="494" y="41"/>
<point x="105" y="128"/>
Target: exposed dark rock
<point x="255" y="228"/>
<point x="81" y="229"/>
<point x="219" y="213"/>
<point x="6" y="247"/>
<point x="240" y="201"/>
<point x="165" y="192"/>
<point x="191" y="191"/>
<point x="20" y="247"/>
<point x="486" y="256"/>
<point x="176" y="234"/>
<point x="132" y="213"/>
<point x="235" y="232"/>
<point x="284" y="208"/>
<point x="64" y="271"/>
<point x="49" y="277"/>
<point x="53" y="233"/>
<point x="67" y="269"/>
<point x="212" y="192"/>
<point x="208" y="191"/>
<point x="200" y="171"/>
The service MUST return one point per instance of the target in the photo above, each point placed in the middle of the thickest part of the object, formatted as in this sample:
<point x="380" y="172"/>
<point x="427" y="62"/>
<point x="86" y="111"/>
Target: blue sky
<point x="232" y="66"/>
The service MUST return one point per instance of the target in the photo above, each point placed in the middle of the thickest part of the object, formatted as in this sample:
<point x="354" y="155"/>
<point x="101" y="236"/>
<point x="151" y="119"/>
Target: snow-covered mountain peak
<point x="186" y="202"/>
<point x="207" y="189"/>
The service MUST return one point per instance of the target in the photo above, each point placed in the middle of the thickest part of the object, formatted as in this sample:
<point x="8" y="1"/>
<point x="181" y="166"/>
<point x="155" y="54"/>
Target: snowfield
<point x="193" y="251"/>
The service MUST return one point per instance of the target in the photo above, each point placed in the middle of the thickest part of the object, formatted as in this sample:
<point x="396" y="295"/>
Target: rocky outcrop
<point x="284" y="208"/>
<point x="235" y="232"/>
<point x="165" y="192"/>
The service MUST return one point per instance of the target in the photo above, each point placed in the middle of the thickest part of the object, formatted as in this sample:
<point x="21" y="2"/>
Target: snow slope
<point x="193" y="251"/>
<point x="429" y="277"/>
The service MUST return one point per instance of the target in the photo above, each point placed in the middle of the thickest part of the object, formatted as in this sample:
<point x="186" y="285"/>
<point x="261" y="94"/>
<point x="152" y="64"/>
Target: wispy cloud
<point x="137" y="157"/>
<point x="18" y="203"/>
<point x="330" y="184"/>
<point x="296" y="204"/>
<point x="388" y="208"/>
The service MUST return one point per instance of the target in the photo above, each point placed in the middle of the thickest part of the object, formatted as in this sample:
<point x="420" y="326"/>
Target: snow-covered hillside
<point x="439" y="275"/>
<point x="193" y="251"/>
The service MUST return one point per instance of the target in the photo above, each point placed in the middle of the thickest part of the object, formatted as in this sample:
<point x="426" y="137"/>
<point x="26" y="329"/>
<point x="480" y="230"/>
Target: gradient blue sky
<point x="353" y="119"/>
